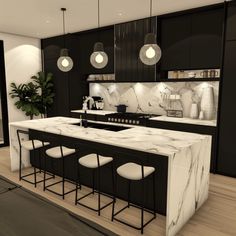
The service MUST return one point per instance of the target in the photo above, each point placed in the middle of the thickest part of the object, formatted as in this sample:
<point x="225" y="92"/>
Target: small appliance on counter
<point x="98" y="103"/>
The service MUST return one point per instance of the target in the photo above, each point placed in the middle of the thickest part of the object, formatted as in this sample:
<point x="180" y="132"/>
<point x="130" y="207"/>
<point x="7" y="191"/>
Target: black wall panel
<point x="129" y="38"/>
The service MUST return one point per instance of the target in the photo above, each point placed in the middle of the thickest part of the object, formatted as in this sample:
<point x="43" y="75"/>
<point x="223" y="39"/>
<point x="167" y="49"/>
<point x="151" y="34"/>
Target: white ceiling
<point x="43" y="18"/>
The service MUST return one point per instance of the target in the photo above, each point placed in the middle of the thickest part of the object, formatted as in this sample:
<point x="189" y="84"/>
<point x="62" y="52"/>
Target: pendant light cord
<point x="150" y="17"/>
<point x="63" y="25"/>
<point x="98" y="14"/>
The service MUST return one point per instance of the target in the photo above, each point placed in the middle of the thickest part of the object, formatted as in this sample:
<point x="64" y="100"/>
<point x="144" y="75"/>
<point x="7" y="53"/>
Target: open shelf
<point x="189" y="80"/>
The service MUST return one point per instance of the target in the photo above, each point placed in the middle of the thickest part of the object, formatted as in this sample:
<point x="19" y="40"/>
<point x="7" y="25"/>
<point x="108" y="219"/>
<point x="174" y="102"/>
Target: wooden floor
<point x="217" y="217"/>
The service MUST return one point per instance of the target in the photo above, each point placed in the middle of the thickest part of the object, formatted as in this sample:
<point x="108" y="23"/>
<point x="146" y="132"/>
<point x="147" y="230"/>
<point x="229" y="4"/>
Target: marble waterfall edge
<point x="152" y="97"/>
<point x="185" y="197"/>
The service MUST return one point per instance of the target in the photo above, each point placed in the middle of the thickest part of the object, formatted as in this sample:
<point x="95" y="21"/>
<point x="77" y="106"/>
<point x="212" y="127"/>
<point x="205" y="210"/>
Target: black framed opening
<point x="4" y="131"/>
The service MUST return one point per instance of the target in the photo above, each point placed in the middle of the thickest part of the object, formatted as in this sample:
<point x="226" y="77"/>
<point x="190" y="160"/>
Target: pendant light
<point x="150" y="53"/>
<point x="64" y="62"/>
<point x="98" y="58"/>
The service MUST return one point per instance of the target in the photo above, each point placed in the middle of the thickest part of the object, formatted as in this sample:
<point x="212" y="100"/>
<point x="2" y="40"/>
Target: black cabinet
<point x="231" y="22"/>
<point x="129" y="38"/>
<point x="227" y="152"/>
<point x="206" y="39"/>
<point x="192" y="41"/>
<point x="175" y="42"/>
<point x="51" y="51"/>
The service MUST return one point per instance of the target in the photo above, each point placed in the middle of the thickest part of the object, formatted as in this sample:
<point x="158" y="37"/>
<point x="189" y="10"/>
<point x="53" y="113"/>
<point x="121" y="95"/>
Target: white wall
<point x="22" y="60"/>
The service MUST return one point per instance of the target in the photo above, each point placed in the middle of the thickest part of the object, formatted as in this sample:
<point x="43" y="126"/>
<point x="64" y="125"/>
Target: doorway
<point x="4" y="131"/>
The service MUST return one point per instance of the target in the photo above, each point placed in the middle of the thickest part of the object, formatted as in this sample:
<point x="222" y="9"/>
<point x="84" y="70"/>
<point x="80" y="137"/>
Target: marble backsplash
<point x="154" y="98"/>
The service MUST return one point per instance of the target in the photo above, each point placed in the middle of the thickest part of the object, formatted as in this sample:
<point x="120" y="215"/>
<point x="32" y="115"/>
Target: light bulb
<point x="99" y="58"/>
<point x="150" y="53"/>
<point x="65" y="62"/>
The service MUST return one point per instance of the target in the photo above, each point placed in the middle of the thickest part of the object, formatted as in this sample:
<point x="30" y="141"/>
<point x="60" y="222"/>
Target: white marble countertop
<point x="95" y="112"/>
<point x="151" y="140"/>
<point x="185" y="120"/>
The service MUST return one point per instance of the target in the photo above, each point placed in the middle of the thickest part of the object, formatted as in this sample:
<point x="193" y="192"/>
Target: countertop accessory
<point x="201" y="115"/>
<point x="121" y="108"/>
<point x="150" y="52"/>
<point x="98" y="58"/>
<point x="64" y="62"/>
<point x="207" y="103"/>
<point x="213" y="73"/>
<point x="204" y="74"/>
<point x="194" y="111"/>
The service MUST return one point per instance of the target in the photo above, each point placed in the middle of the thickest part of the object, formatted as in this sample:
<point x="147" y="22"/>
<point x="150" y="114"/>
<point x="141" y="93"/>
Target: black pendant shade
<point x="98" y="58"/>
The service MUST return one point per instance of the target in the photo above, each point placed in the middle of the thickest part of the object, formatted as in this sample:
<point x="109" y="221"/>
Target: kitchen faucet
<point x="85" y="103"/>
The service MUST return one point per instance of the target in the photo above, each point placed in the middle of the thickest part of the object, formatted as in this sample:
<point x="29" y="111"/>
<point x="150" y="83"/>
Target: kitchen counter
<point x="188" y="157"/>
<point x="95" y="112"/>
<point x="185" y="120"/>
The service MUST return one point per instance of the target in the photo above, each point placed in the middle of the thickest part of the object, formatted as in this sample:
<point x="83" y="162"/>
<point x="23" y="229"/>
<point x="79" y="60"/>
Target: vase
<point x="207" y="103"/>
<point x="194" y="111"/>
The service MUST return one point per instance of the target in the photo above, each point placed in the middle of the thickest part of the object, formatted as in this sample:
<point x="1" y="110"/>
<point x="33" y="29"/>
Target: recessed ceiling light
<point x="120" y="14"/>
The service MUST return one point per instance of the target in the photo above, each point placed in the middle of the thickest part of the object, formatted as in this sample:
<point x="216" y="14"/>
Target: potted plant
<point x="35" y="97"/>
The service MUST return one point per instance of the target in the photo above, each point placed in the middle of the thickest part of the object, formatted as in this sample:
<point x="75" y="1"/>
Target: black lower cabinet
<point x="200" y="129"/>
<point x="120" y="156"/>
<point x="226" y="163"/>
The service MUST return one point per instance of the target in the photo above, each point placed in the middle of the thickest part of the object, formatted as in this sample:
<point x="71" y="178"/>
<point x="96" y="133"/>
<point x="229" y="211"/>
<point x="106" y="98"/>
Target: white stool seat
<point x="55" y="152"/>
<point x="133" y="171"/>
<point x="90" y="160"/>
<point x="28" y="145"/>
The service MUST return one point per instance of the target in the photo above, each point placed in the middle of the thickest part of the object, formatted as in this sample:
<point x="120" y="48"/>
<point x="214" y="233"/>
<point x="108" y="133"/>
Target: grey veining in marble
<point x="188" y="159"/>
<point x="151" y="97"/>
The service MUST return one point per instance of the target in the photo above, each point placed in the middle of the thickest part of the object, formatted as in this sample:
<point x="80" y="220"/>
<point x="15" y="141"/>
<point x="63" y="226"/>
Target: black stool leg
<point x="93" y="180"/>
<point x="63" y="178"/>
<point x="77" y="184"/>
<point x="44" y="174"/>
<point x="99" y="196"/>
<point x="35" y="178"/>
<point x="20" y="163"/>
<point x="154" y="195"/>
<point x="129" y="183"/>
<point x="114" y="196"/>
<point x="142" y="216"/>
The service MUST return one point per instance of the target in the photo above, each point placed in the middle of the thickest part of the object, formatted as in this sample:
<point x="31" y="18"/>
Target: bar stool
<point x="58" y="152"/>
<point x="135" y="172"/>
<point x="95" y="162"/>
<point x="30" y="145"/>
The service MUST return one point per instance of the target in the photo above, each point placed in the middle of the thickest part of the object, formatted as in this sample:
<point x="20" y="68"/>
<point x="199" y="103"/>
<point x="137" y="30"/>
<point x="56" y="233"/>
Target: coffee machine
<point x="98" y="103"/>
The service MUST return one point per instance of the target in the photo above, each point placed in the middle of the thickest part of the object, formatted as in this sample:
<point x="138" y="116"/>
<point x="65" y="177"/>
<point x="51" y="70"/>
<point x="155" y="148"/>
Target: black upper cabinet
<point x="175" y="42"/>
<point x="192" y="41"/>
<point x="231" y="22"/>
<point x="206" y="39"/>
<point x="129" y="38"/>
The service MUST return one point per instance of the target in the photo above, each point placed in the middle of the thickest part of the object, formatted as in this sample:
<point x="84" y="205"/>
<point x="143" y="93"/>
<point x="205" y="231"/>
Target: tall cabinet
<point x="227" y="125"/>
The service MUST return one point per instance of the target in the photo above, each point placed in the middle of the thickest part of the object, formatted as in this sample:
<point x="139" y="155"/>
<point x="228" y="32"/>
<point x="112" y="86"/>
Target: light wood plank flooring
<point x="217" y="217"/>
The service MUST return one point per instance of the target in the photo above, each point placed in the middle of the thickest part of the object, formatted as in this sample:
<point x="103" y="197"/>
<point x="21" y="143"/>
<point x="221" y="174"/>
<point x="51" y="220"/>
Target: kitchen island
<point x="183" y="159"/>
